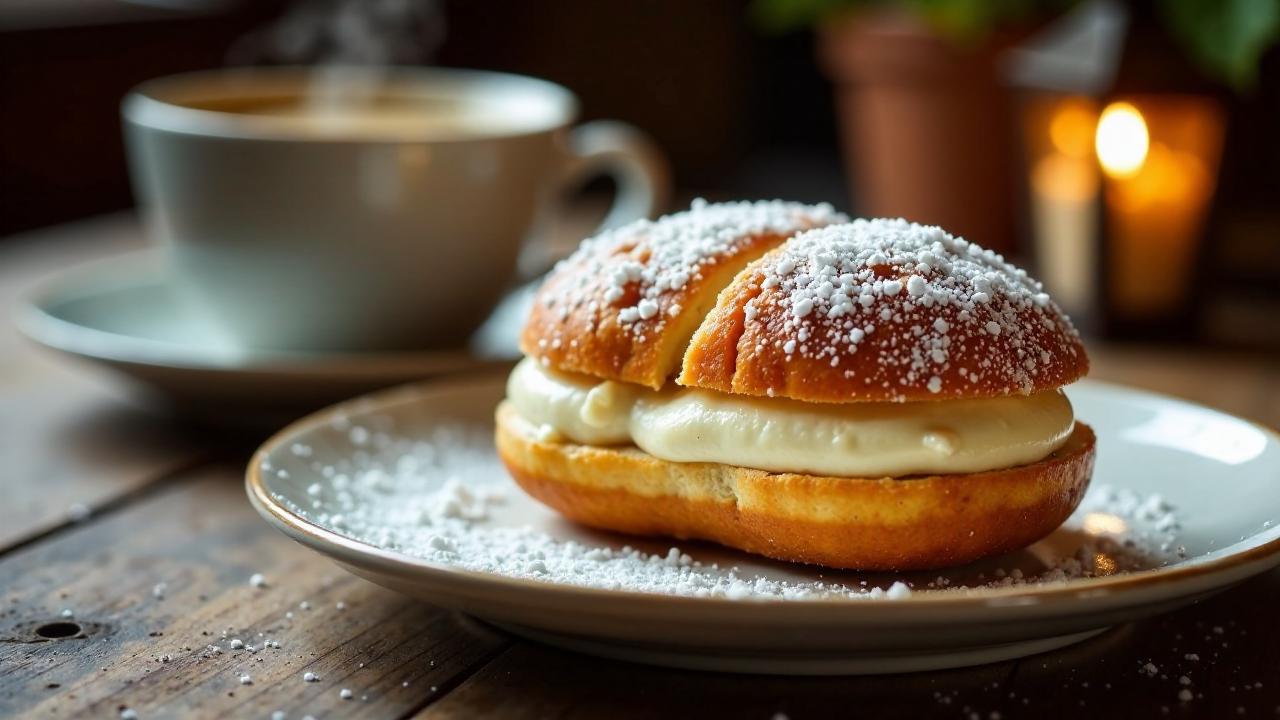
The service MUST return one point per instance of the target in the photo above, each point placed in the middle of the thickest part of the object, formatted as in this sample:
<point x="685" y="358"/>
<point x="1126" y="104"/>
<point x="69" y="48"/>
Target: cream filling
<point x="855" y="439"/>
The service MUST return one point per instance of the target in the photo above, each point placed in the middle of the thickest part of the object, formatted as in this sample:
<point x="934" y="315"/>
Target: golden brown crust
<point x="887" y="326"/>
<point x="857" y="523"/>
<point x="625" y="304"/>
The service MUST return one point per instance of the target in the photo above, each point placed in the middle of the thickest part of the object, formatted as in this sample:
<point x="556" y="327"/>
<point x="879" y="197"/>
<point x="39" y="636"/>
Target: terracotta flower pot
<point x="925" y="126"/>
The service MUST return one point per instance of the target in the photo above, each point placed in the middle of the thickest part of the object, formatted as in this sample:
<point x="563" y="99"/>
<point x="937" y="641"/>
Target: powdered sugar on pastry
<point x="667" y="253"/>
<point x="834" y="281"/>
<point x="625" y="303"/>
<point x="939" y="316"/>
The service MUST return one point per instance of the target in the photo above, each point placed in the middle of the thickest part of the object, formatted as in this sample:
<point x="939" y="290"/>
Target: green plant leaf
<point x="1227" y="37"/>
<point x="786" y="15"/>
<point x="972" y="20"/>
<point x="964" y="21"/>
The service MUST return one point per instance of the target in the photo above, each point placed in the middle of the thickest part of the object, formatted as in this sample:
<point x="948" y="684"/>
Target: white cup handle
<point x="620" y="151"/>
<point x="631" y="158"/>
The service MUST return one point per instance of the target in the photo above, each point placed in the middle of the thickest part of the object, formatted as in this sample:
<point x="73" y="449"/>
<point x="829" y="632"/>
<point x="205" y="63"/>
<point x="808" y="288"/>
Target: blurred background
<point x="1125" y="150"/>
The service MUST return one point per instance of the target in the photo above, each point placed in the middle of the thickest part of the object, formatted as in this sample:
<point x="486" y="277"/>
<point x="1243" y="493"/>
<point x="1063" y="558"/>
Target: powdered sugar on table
<point x="447" y="499"/>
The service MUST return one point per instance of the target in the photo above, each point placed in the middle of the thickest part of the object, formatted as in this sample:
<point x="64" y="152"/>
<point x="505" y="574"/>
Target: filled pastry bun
<point x="873" y="394"/>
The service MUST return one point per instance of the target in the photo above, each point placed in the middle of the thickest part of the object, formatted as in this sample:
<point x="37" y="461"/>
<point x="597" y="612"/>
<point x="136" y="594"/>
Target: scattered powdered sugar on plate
<point x="447" y="499"/>
<point x="436" y="500"/>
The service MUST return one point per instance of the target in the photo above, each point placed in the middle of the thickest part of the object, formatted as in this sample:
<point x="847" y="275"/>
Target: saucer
<point x="125" y="314"/>
<point x="355" y="482"/>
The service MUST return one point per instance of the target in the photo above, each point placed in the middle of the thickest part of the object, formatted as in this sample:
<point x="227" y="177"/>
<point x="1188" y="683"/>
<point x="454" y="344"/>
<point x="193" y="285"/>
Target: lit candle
<point x="1064" y="208"/>
<point x="1157" y="197"/>
<point x="1064" y="192"/>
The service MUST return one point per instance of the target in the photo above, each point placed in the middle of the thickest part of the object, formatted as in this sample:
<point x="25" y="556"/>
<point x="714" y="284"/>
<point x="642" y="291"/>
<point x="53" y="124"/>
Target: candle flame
<point x="1121" y="140"/>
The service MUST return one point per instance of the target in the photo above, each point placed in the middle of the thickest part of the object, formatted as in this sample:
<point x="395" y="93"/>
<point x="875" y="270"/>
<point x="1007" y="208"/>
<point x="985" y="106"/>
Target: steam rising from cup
<point x="345" y="41"/>
<point x="347" y="32"/>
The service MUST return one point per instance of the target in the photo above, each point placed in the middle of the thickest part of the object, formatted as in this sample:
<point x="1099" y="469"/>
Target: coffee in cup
<point x="362" y="209"/>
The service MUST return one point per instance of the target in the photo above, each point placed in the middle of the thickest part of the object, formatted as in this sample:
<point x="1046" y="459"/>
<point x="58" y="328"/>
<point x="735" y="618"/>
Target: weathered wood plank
<point x="67" y="453"/>
<point x="199" y="536"/>
<point x="69" y="441"/>
<point x="1103" y="677"/>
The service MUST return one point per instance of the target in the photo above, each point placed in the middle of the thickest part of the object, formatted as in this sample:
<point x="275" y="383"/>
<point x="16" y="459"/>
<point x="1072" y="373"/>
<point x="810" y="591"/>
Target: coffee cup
<point x="360" y="209"/>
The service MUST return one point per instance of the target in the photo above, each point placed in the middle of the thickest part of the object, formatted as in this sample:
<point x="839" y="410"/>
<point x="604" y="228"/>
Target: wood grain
<point x="1102" y="677"/>
<point x="199" y="536"/>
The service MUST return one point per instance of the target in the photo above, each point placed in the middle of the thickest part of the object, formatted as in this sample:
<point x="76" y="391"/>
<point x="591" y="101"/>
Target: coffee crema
<point x="324" y="114"/>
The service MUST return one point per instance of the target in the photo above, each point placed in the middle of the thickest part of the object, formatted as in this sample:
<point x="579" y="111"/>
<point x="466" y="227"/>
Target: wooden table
<point x="131" y="534"/>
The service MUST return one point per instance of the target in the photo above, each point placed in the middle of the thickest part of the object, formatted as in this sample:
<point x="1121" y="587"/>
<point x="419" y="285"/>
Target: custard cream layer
<point x="866" y="439"/>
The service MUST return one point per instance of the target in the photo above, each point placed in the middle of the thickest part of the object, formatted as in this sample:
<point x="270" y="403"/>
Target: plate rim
<point x="1042" y="595"/>
<point x="35" y="317"/>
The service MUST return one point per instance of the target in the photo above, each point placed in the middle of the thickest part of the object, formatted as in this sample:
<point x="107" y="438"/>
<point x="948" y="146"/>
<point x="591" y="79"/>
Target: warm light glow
<point x="1072" y="127"/>
<point x="1143" y="171"/>
<point x="1168" y="178"/>
<point x="1096" y="523"/>
<point x="1121" y="140"/>
<point x="1065" y="178"/>
<point x="1104" y="564"/>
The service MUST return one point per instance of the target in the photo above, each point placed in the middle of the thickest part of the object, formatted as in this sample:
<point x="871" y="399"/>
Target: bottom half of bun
<point x="913" y="523"/>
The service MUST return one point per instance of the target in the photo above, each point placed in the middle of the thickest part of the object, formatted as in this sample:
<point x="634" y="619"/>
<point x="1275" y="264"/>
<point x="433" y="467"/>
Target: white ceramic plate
<point x="1221" y="471"/>
<point x="125" y="314"/>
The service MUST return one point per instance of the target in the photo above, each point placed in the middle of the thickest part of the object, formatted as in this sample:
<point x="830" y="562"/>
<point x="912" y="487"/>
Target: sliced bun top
<point x="883" y="310"/>
<point x="870" y="310"/>
<point x="625" y="304"/>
